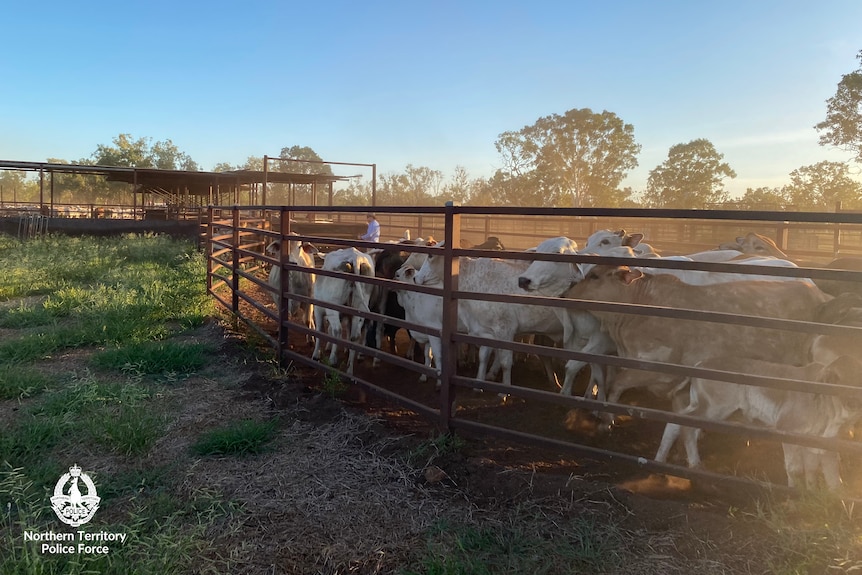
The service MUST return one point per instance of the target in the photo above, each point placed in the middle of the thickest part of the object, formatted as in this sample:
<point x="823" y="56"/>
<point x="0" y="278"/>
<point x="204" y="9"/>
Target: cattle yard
<point x="534" y="411"/>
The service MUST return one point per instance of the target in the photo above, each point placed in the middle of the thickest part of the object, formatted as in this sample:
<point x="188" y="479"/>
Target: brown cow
<point x="755" y="244"/>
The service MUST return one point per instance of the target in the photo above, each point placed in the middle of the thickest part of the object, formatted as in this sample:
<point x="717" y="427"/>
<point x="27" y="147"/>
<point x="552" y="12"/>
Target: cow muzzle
<point x="525" y="283"/>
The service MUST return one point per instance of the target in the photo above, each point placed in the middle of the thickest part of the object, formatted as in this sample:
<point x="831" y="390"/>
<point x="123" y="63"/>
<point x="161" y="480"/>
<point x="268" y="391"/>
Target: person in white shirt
<point x="373" y="232"/>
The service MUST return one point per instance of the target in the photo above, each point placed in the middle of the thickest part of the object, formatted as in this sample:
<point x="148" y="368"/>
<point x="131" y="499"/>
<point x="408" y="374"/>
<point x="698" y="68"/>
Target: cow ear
<point x="409" y="272"/>
<point x="629" y="275"/>
<point x="632" y="240"/>
<point x="310" y="249"/>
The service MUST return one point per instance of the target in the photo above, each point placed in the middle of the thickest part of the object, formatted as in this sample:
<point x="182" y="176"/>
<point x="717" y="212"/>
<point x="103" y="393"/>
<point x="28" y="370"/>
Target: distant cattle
<point x="490" y="243"/>
<point x="344" y="292"/>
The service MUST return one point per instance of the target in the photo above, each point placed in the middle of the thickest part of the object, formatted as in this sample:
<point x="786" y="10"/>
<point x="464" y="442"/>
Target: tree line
<point x="575" y="159"/>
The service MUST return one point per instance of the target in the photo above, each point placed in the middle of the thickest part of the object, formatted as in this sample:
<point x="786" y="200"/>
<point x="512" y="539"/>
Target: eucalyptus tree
<point x="142" y="153"/>
<point x="415" y="186"/>
<point x="126" y="151"/>
<point x="763" y="198"/>
<point x="822" y="187"/>
<point x="573" y="159"/>
<point x="843" y="124"/>
<point x="301" y="160"/>
<point x="691" y="177"/>
<point x="16" y="186"/>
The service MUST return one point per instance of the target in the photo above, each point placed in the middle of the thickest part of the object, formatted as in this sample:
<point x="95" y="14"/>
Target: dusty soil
<point x="676" y="527"/>
<point x="354" y="484"/>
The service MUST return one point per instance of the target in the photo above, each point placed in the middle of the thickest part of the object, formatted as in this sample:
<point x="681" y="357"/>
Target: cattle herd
<point x="808" y="364"/>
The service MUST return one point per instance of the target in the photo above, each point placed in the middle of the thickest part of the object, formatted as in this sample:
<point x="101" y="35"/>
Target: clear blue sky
<point x="424" y="83"/>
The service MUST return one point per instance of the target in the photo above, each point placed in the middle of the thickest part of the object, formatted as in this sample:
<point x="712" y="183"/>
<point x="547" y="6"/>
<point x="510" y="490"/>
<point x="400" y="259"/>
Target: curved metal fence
<point x="237" y="278"/>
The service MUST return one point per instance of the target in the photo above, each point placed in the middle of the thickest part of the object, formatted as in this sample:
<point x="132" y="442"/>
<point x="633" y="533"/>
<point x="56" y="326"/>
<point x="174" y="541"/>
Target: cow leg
<point x="507" y="359"/>
<point x="573" y="367"/>
<point x="436" y="345"/>
<point x="495" y="365"/>
<point x="484" y="354"/>
<point x="690" y="439"/>
<point x="429" y="357"/>
<point x="319" y="320"/>
<point x="794" y="463"/>
<point x="596" y="386"/>
<point x="351" y="358"/>
<point x="668" y="439"/>
<point x="423" y="340"/>
<point x="829" y="464"/>
<point x="596" y="343"/>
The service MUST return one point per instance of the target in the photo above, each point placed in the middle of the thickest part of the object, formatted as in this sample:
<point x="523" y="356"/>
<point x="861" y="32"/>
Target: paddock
<point x="736" y="455"/>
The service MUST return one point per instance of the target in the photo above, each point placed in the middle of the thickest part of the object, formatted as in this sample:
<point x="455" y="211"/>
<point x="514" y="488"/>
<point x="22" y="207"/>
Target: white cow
<point x="387" y="261"/>
<point x="299" y="283"/>
<point x="780" y="409"/>
<point x="422" y="309"/>
<point x="687" y="342"/>
<point x="342" y="291"/>
<point x="751" y="245"/>
<point x="494" y="320"/>
<point x="700" y="277"/>
<point x="582" y="331"/>
<point x="552" y="279"/>
<point x="603" y="239"/>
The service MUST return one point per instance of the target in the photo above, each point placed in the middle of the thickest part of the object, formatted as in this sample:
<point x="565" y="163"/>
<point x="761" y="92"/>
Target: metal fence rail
<point x="238" y="234"/>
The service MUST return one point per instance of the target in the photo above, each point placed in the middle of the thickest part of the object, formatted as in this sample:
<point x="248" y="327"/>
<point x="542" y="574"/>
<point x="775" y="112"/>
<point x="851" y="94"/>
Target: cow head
<point x="755" y="244"/>
<point x="550" y="278"/>
<point x="604" y="282"/>
<point x="604" y="239"/>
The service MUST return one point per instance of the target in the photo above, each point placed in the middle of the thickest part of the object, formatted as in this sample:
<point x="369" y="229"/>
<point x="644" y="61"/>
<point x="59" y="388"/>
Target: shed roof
<point x="195" y="182"/>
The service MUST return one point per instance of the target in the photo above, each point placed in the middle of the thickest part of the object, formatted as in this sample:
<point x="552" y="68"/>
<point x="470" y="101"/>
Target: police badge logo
<point x="72" y="507"/>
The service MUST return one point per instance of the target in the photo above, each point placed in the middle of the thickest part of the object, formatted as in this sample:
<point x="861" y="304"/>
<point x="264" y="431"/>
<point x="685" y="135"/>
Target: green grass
<point x="427" y="451"/>
<point x="827" y="527"/>
<point x="19" y="382"/>
<point x="128" y="296"/>
<point x="155" y="357"/>
<point x="166" y="534"/>
<point x="244" y="437"/>
<point x="98" y="292"/>
<point x="527" y="544"/>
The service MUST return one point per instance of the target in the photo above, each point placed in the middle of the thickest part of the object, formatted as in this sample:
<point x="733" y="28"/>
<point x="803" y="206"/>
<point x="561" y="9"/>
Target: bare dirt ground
<point x="353" y="484"/>
<point x="671" y="525"/>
